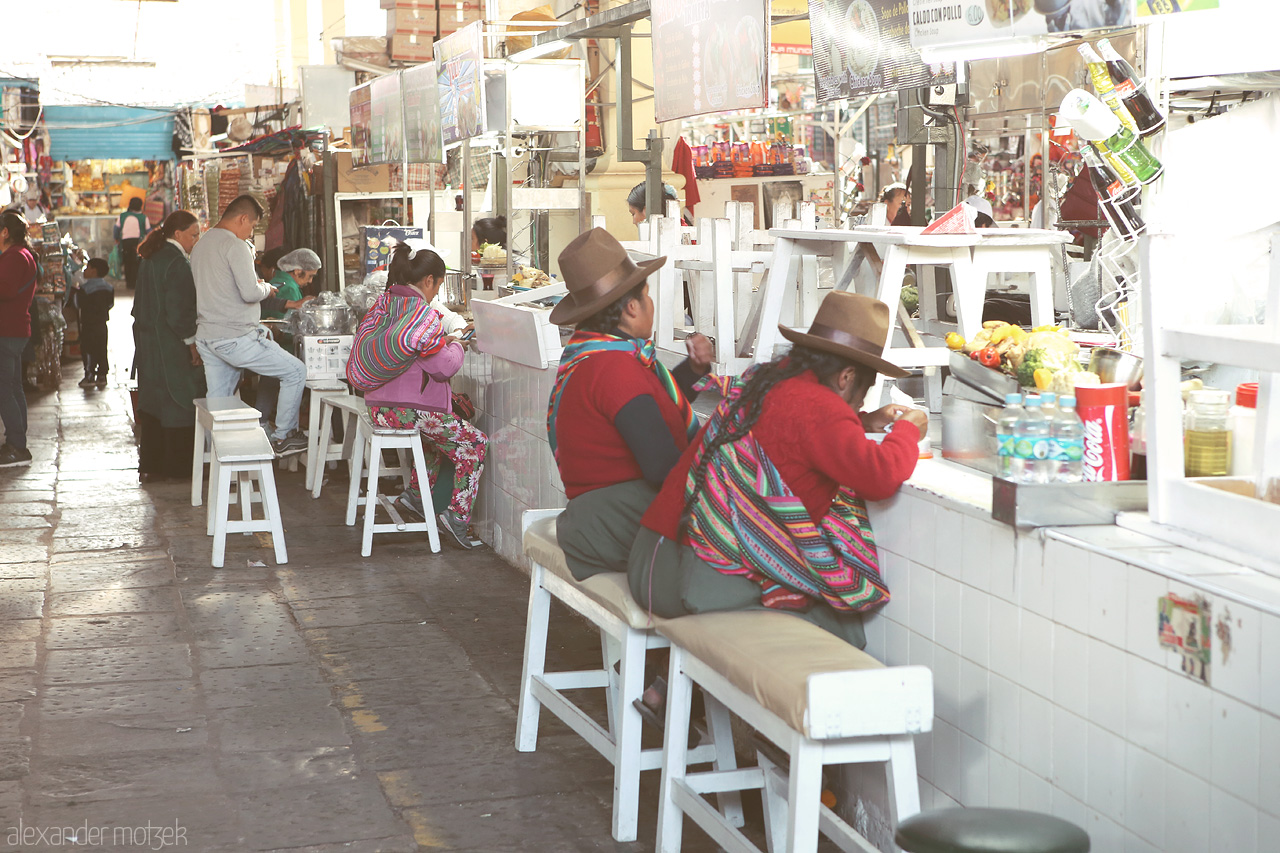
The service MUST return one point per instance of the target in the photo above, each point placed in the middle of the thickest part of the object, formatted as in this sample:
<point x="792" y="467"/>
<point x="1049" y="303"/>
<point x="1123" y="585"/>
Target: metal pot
<point x="1113" y="365"/>
<point x="457" y="288"/>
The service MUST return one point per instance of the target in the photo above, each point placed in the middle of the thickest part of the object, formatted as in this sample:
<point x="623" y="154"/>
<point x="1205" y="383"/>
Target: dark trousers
<point x="163" y="451"/>
<point x="129" y="257"/>
<point x="93" y="350"/>
<point x="13" y="400"/>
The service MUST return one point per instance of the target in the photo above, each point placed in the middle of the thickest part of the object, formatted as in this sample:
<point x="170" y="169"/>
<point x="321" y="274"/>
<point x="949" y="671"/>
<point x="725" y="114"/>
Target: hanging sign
<point x="709" y="56"/>
<point x="360" y="109"/>
<point x="460" y="77"/>
<point x="938" y="23"/>
<point x="386" y="120"/>
<point x="863" y="47"/>
<point x="790" y="37"/>
<point x="423" y="138"/>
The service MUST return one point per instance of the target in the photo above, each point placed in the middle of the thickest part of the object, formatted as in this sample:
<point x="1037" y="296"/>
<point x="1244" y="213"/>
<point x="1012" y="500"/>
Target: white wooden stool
<point x="323" y="449"/>
<point x="213" y="413"/>
<point x="366" y="454"/>
<point x="244" y="455"/>
<point x="813" y="695"/>
<point x="626" y="634"/>
<point x="1023" y="250"/>
<point x="320" y="389"/>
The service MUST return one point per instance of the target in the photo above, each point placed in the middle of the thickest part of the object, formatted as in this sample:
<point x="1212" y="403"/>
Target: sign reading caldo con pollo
<point x="709" y="56"/>
<point x="862" y="47"/>
<point x="957" y="22"/>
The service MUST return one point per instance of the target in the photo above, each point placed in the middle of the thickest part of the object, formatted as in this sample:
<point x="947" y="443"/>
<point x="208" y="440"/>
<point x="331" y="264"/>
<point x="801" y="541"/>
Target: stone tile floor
<point x="333" y="703"/>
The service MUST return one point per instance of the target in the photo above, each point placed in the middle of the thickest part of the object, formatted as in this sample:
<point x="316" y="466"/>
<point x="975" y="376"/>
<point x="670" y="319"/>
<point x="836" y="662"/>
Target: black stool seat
<point x="989" y="831"/>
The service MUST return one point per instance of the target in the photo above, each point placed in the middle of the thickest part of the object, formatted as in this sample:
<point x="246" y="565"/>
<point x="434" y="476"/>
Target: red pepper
<point x="974" y="355"/>
<point x="988" y="357"/>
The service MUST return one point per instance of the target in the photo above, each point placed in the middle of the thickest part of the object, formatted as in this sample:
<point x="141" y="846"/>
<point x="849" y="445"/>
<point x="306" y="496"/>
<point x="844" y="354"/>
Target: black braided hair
<point x="607" y="318"/>
<point x="796" y="362"/>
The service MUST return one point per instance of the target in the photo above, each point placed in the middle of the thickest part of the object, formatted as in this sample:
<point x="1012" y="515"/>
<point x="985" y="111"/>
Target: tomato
<point x="988" y="357"/>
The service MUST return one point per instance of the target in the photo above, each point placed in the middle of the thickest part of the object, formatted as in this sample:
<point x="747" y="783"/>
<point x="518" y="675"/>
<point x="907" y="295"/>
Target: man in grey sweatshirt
<point x="229" y="336"/>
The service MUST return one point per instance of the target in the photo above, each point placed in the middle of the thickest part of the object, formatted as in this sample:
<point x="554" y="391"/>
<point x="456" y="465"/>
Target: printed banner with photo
<point x="386" y="120"/>
<point x="360" y="109"/>
<point x="709" y="56"/>
<point x="863" y="47"/>
<point x="460" y="77"/>
<point x="1155" y="8"/>
<point x="422" y="114"/>
<point x="937" y="23"/>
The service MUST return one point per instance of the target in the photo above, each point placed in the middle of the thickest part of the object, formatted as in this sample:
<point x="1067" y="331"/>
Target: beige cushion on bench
<point x="608" y="588"/>
<point x="768" y="656"/>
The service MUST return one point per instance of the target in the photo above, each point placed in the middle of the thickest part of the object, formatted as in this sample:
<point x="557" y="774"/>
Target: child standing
<point x="94" y="302"/>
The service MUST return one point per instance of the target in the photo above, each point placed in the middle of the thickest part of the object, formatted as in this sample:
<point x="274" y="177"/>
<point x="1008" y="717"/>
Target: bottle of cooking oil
<point x="1207" y="440"/>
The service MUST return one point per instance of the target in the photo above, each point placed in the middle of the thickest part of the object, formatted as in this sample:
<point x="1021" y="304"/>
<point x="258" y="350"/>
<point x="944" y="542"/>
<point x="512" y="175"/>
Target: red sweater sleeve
<point x="873" y="471"/>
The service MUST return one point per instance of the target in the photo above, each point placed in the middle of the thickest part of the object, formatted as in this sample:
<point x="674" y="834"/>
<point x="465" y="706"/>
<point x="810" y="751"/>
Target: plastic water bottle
<point x="1008" y="465"/>
<point x="1049" y="404"/>
<point x="1068" y="442"/>
<point x="1031" y="439"/>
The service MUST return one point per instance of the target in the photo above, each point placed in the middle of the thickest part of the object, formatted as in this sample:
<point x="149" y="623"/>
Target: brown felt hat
<point x="852" y="326"/>
<point x="597" y="270"/>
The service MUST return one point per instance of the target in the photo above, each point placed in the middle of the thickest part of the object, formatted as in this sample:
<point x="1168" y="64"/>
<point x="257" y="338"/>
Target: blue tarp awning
<point x="109" y="133"/>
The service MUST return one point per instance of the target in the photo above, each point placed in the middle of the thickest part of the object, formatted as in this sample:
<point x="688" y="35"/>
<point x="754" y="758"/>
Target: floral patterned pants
<point x="446" y="435"/>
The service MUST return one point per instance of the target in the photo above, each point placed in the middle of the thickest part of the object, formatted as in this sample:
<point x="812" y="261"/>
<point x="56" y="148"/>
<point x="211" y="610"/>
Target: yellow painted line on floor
<point x="399" y="790"/>
<point x="422" y="832"/>
<point x="367" y="722"/>
<point x="353" y="701"/>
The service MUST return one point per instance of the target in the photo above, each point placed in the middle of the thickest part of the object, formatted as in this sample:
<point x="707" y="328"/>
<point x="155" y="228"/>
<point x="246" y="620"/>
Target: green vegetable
<point x="1055" y="360"/>
<point x="910" y="298"/>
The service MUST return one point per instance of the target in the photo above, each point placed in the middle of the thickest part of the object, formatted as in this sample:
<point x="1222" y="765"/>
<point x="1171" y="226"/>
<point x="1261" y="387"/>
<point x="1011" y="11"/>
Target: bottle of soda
<point x="1132" y="91"/>
<point x="1031" y="436"/>
<point x="1104" y="87"/>
<point x="1127" y="146"/>
<point x="1008" y="465"/>
<point x="1118" y="209"/>
<point x="1068" y="442"/>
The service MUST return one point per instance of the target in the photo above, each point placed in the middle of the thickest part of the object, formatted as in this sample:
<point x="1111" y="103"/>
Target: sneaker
<point x="294" y="442"/>
<point x="455" y="527"/>
<point x="87" y="382"/>
<point x="412" y="504"/>
<point x="12" y="457"/>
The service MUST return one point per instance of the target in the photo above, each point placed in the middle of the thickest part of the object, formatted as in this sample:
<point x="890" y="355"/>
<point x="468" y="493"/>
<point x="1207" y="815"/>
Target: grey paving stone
<point x="20" y="655"/>
<point x="129" y="540"/>
<point x="123" y="775"/>
<point x="11" y="571"/>
<point x="17" y="687"/>
<point x="115" y="575"/>
<point x="254" y="771"/>
<point x="110" y="601"/>
<point x="287" y="725"/>
<point x="13" y="630"/>
<point x="127" y="663"/>
<point x="206" y="823"/>
<point x="122" y="733"/>
<point x="21" y="605"/>
<point x="24" y="553"/>
<point x="15" y="758"/>
<point x="113" y="630"/>
<point x="171" y="698"/>
<point x="12" y="585"/>
<point x="350" y="810"/>
<point x="360" y="610"/>
<point x="249" y="685"/>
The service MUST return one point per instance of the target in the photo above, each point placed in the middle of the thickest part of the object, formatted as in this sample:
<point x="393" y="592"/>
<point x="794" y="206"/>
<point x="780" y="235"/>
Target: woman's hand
<point x="196" y="360"/>
<point x="880" y="419"/>
<point x="701" y="352"/>
<point x="298" y="303"/>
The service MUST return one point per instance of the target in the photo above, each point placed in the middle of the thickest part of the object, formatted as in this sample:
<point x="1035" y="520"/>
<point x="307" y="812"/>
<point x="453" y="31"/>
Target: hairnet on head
<point x="300" y="260"/>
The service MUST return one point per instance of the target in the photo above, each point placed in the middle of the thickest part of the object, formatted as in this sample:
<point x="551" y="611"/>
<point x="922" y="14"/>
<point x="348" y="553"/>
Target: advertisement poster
<point x="386" y="120"/>
<point x="359" y="100"/>
<point x="936" y="23"/>
<point x="863" y="47"/>
<point x="709" y="56"/>
<point x="790" y="36"/>
<point x="460" y="78"/>
<point x="1154" y="8"/>
<point x="422" y="114"/>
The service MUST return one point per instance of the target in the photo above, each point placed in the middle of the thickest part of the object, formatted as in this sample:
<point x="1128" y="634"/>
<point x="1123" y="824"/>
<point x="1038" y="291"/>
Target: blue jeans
<point x="13" y="400"/>
<point x="224" y="359"/>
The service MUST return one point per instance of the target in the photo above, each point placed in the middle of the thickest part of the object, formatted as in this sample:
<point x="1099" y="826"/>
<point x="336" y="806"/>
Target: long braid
<point x="796" y="362"/>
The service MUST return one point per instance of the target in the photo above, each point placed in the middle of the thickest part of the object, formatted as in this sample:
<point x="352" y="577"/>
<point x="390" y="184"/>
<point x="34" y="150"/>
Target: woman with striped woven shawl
<point x="765" y="508"/>
<point x="617" y="419"/>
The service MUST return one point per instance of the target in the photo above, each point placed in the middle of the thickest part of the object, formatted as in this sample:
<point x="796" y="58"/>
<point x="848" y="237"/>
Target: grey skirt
<point x="596" y="530"/>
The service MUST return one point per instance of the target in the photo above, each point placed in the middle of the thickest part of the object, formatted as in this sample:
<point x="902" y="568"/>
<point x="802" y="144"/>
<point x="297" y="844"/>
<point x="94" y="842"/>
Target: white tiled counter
<point x="1052" y="690"/>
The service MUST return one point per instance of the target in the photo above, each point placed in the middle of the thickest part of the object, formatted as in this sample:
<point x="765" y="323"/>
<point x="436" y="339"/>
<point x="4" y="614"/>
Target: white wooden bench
<point x="242" y="456"/>
<point x="626" y="633"/>
<point x="366" y="455"/>
<point x="325" y="450"/>
<point x="320" y="390"/>
<point x="214" y="413"/>
<point x="819" y="699"/>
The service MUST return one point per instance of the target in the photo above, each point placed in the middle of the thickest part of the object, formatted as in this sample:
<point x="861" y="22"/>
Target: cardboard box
<point x="326" y="355"/>
<point x="409" y="47"/>
<point x="369" y="179"/>
<point x="407" y="4"/>
<point x="407" y="21"/>
<point x="455" y="16"/>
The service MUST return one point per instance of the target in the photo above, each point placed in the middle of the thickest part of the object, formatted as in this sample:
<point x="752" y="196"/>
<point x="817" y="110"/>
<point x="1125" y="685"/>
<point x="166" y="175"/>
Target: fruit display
<point x="1044" y="358"/>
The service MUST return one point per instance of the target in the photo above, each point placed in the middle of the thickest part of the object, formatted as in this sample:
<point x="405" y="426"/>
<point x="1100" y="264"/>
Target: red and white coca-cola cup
<point x="1104" y="410"/>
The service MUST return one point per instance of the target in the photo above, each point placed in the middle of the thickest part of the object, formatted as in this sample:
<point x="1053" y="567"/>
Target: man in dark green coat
<point x="170" y="376"/>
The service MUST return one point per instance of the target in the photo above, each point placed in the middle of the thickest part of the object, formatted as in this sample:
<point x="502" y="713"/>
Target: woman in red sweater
<point x="17" y="287"/>
<point x="618" y="420"/>
<point x="765" y="508"/>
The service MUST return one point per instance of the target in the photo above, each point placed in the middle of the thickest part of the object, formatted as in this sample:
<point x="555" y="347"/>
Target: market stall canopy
<point x="109" y="133"/>
<point x="280" y="142"/>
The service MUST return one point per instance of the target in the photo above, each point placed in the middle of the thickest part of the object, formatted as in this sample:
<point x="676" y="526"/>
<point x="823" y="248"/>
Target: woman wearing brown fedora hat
<point x="765" y="508"/>
<point x="617" y="419"/>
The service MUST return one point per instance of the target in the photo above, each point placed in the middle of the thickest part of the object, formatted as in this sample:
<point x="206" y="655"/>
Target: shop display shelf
<point x="1064" y="504"/>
